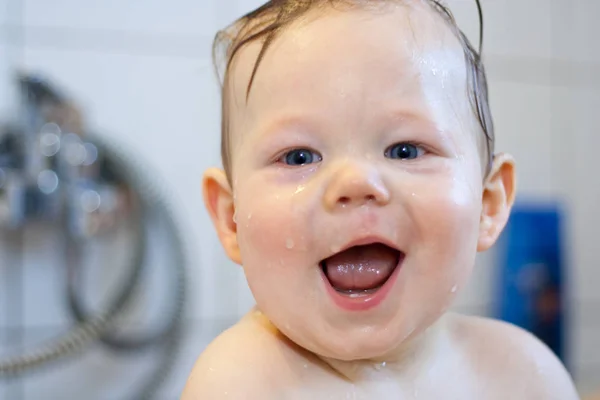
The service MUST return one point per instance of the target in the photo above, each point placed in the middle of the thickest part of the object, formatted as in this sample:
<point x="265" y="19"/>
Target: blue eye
<point x="299" y="157"/>
<point x="404" y="151"/>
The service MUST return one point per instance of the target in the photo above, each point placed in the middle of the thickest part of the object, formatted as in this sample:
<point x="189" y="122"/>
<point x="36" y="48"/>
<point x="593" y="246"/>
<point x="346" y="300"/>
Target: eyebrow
<point x="285" y="122"/>
<point x="400" y="116"/>
<point x="307" y="123"/>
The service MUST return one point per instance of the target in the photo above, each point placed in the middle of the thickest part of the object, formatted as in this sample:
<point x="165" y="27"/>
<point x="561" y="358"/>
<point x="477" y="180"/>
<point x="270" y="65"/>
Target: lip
<point x="365" y="301"/>
<point x="366" y="241"/>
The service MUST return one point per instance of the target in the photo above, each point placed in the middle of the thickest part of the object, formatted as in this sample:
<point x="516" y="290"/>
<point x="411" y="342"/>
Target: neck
<point x="406" y="360"/>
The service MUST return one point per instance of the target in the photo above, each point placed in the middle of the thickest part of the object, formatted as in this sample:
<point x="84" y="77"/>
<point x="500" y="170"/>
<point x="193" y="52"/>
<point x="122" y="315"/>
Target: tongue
<point x="361" y="267"/>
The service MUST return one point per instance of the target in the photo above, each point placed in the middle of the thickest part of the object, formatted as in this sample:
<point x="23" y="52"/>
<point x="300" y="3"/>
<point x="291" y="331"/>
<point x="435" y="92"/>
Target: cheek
<point x="446" y="212"/>
<point x="457" y="207"/>
<point x="271" y="230"/>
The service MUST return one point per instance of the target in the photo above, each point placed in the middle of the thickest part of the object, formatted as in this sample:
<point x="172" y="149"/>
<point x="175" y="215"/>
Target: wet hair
<point x="268" y="21"/>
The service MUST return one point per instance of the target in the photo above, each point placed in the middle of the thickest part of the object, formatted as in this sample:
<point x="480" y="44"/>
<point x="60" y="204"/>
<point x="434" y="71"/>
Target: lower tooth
<point x="357" y="293"/>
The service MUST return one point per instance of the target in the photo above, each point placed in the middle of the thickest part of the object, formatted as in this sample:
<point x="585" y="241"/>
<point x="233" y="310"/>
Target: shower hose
<point x="91" y="327"/>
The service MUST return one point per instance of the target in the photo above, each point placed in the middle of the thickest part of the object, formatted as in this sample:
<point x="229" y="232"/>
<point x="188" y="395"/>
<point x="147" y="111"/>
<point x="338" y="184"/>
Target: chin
<point x="362" y="345"/>
<point x="360" y="352"/>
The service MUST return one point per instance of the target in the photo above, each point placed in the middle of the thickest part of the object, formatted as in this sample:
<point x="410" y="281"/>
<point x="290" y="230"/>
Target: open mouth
<point x="361" y="270"/>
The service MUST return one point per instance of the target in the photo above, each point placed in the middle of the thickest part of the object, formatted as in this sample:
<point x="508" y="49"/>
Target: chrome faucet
<point x="49" y="171"/>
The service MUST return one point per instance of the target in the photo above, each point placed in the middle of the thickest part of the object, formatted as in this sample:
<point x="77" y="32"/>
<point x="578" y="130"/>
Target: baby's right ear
<point x="218" y="199"/>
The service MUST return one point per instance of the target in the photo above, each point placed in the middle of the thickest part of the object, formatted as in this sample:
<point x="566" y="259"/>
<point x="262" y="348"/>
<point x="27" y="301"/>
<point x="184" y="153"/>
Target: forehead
<point x="393" y="52"/>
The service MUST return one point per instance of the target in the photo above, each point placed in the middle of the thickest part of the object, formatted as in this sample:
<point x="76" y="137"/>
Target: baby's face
<point x="357" y="131"/>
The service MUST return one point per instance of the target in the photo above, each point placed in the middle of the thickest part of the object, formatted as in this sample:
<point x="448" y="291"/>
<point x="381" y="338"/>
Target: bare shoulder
<point x="511" y="355"/>
<point x="238" y="364"/>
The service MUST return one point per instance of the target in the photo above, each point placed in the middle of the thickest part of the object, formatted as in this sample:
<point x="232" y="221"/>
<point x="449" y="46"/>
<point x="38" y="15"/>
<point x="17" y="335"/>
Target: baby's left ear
<point x="498" y="197"/>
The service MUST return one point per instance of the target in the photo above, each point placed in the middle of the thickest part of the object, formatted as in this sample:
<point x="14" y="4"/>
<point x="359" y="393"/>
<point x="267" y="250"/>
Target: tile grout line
<point x="227" y="320"/>
<point x="503" y="67"/>
<point x="15" y="314"/>
<point x="15" y="298"/>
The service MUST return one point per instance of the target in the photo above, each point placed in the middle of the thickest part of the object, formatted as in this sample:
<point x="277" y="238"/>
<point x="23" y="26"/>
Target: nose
<point x="355" y="185"/>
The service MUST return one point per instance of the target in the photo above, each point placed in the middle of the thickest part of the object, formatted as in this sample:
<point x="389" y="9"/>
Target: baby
<point x="359" y="183"/>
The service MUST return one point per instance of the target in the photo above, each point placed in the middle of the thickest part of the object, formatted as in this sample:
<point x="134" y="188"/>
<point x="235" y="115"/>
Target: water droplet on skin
<point x="299" y="189"/>
<point x="379" y="367"/>
<point x="367" y="329"/>
<point x="289" y="244"/>
<point x="454" y="289"/>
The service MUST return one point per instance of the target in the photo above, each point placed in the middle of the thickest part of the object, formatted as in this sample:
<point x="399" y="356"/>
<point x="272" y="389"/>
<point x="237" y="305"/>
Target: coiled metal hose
<point x="92" y="327"/>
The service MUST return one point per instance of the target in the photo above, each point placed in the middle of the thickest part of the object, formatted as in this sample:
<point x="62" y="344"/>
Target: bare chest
<point x="452" y="387"/>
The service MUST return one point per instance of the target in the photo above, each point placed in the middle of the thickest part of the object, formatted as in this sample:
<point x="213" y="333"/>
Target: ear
<point x="498" y="198"/>
<point x="218" y="199"/>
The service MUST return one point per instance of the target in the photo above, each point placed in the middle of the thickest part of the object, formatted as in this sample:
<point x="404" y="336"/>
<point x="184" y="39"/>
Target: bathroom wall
<point x="142" y="71"/>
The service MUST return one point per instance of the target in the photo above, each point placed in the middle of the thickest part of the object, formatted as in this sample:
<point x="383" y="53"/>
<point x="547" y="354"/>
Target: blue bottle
<point x="532" y="284"/>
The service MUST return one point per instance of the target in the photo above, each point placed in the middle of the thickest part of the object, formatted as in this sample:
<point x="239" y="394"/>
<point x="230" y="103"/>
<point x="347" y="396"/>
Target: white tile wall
<point x="142" y="72"/>
<point x="5" y="93"/>
<point x="587" y="352"/>
<point x="5" y="275"/>
<point x="475" y="298"/>
<point x="105" y="371"/>
<point x="508" y="26"/>
<point x="11" y="311"/>
<point x="178" y="17"/>
<point x="178" y="139"/>
<point x="579" y="20"/>
<point x="586" y="217"/>
<point x="3" y="10"/>
<point x="43" y="278"/>
<point x="523" y="121"/>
